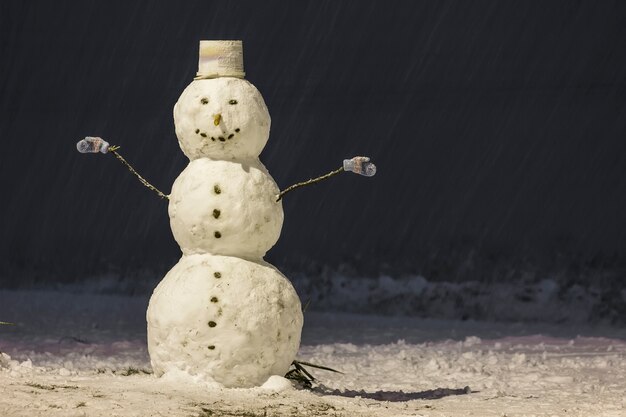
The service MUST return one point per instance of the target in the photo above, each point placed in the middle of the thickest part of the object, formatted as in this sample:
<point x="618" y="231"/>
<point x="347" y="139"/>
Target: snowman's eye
<point x="204" y="100"/>
<point x="232" y="102"/>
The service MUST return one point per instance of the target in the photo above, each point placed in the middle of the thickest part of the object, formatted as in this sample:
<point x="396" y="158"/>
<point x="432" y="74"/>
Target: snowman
<point x="222" y="314"/>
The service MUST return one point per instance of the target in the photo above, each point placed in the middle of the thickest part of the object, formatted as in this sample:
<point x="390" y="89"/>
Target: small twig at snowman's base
<point x="302" y="376"/>
<point x="325" y="368"/>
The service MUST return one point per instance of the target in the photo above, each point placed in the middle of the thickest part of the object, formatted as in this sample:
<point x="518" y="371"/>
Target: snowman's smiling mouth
<point x="222" y="138"/>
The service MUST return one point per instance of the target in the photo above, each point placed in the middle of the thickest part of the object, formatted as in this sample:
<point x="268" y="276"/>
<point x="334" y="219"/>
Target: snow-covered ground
<point x="85" y="354"/>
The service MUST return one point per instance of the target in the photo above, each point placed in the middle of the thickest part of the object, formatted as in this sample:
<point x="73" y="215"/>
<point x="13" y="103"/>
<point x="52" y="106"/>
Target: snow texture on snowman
<point x="222" y="314"/>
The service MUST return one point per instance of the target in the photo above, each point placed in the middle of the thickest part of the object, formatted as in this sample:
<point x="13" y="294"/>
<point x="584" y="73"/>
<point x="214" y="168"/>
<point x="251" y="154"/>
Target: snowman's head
<point x="221" y="118"/>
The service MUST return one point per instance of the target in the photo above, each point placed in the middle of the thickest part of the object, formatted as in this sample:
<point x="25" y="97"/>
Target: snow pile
<point x="73" y="355"/>
<point x="547" y="300"/>
<point x="414" y="295"/>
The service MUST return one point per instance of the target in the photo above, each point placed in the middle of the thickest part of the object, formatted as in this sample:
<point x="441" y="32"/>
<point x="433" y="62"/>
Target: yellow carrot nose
<point x="217" y="119"/>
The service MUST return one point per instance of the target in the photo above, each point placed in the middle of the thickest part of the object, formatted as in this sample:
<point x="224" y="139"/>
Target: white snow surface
<point x="86" y="355"/>
<point x="225" y="208"/>
<point x="223" y="319"/>
<point x="243" y="128"/>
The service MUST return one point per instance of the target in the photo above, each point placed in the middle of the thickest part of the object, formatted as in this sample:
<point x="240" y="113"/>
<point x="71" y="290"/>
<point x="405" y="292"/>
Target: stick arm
<point x="359" y="165"/>
<point x="93" y="144"/>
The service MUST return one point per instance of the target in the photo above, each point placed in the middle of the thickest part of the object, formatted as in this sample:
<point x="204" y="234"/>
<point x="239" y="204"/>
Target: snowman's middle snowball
<point x="225" y="208"/>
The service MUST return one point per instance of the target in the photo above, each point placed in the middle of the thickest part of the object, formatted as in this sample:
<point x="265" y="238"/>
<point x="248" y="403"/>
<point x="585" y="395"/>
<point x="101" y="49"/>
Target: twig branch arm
<point x="308" y="182"/>
<point x="359" y="165"/>
<point x="93" y="144"/>
<point x="141" y="179"/>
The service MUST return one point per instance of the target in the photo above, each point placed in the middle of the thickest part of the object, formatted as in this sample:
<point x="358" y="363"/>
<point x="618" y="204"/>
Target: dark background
<point x="498" y="129"/>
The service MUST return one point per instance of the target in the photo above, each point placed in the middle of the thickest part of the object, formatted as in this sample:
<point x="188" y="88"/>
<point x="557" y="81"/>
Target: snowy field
<point x="85" y="355"/>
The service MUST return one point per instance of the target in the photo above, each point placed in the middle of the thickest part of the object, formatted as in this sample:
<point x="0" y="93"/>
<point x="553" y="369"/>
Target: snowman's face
<point x="221" y="118"/>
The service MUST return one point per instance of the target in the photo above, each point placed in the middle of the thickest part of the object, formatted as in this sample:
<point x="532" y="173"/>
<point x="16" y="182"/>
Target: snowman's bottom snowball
<point x="224" y="319"/>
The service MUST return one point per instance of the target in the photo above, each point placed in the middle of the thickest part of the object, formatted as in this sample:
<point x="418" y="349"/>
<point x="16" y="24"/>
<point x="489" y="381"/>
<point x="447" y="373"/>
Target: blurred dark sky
<point x="496" y="126"/>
